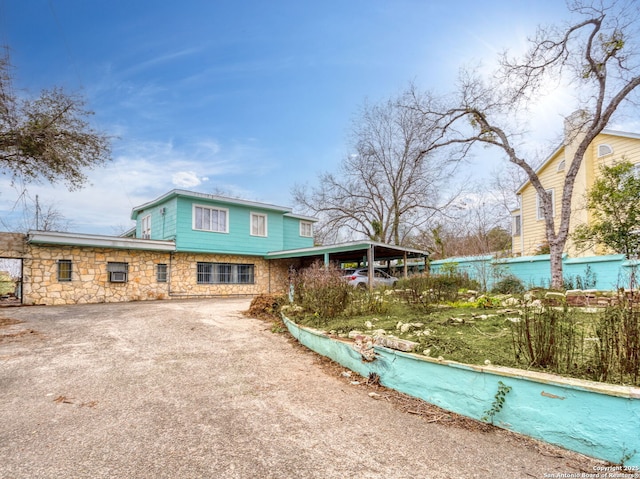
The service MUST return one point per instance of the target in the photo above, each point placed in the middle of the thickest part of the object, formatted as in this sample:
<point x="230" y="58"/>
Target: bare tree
<point x="47" y="137"/>
<point x="596" y="56"/>
<point x="34" y="214"/>
<point x="391" y="183"/>
<point x="477" y="224"/>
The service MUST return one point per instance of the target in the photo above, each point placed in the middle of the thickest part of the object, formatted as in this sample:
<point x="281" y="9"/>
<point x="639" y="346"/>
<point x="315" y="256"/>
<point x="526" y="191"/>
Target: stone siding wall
<point x="90" y="278"/>
<point x="12" y="245"/>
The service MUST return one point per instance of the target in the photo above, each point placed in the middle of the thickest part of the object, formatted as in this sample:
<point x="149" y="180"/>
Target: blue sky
<point x="245" y="97"/>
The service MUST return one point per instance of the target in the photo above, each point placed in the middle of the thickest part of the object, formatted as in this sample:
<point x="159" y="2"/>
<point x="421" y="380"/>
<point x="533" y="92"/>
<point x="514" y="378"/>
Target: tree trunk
<point x="557" y="281"/>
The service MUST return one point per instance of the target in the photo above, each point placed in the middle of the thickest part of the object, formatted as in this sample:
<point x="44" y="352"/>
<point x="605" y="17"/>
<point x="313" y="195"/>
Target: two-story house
<point x="184" y="245"/>
<point x="528" y="226"/>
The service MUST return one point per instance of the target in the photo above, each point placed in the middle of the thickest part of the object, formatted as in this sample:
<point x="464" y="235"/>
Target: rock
<point x="374" y="395"/>
<point x="398" y="344"/>
<point x="346" y="374"/>
<point x="487" y="362"/>
<point x="368" y="324"/>
<point x="511" y="302"/>
<point x="354" y="334"/>
<point x="355" y="383"/>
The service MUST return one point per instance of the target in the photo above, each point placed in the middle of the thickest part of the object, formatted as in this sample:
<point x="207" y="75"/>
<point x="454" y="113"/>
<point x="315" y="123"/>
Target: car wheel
<point x="362" y="285"/>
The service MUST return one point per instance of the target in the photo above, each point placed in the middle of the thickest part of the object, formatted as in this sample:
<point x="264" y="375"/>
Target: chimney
<point x="575" y="126"/>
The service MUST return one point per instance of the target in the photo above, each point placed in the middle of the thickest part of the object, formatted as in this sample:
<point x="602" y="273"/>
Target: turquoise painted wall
<point x="595" y="419"/>
<point x="162" y="224"/>
<point x="292" y="238"/>
<point x="610" y="272"/>
<point x="176" y="223"/>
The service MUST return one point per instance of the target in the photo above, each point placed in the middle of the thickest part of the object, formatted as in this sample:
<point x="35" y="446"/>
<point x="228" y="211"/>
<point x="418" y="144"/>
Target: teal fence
<point x="593" y="272"/>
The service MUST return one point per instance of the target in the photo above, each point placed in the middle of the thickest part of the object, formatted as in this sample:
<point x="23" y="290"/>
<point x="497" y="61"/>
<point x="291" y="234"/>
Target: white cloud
<point x="186" y="179"/>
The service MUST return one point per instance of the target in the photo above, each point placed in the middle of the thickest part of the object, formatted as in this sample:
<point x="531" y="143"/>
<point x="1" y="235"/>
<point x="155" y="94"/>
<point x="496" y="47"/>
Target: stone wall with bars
<point x="90" y="279"/>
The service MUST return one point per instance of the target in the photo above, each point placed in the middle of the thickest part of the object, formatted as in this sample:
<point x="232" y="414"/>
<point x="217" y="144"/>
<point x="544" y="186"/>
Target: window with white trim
<point x="540" y="213"/>
<point x="145" y="227"/>
<point x="224" y="273"/>
<point x="604" y="150"/>
<point x="561" y="165"/>
<point x="206" y="218"/>
<point x="306" y="229"/>
<point x="517" y="225"/>
<point x="258" y="224"/>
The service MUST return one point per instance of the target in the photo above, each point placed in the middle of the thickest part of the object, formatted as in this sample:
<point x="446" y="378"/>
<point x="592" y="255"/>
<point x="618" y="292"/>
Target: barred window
<point x="64" y="269"/>
<point x="161" y="273"/>
<point x="225" y="273"/>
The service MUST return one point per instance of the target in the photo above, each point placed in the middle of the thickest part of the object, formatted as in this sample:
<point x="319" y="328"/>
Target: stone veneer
<point x="90" y="280"/>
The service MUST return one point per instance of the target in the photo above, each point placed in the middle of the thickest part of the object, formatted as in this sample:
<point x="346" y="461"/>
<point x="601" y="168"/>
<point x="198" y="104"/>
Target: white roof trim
<point x="624" y="134"/>
<point x="98" y="241"/>
<point x="206" y="196"/>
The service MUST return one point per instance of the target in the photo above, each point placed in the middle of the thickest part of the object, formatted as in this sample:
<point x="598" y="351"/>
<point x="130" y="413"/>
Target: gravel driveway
<point x="193" y="389"/>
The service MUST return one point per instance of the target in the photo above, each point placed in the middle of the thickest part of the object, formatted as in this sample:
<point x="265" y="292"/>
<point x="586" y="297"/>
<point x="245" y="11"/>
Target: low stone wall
<point x="596" y="419"/>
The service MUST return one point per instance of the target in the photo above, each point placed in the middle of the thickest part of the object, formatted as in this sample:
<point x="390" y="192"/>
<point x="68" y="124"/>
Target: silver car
<point x="360" y="278"/>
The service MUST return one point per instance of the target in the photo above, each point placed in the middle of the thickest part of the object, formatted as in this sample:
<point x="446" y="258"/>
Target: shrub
<point x="428" y="289"/>
<point x="547" y="338"/>
<point x="508" y="285"/>
<point x="617" y="350"/>
<point x="322" y="291"/>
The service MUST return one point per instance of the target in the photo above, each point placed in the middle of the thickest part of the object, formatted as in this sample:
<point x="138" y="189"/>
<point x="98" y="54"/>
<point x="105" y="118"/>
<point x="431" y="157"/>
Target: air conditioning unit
<point x="118" y="277"/>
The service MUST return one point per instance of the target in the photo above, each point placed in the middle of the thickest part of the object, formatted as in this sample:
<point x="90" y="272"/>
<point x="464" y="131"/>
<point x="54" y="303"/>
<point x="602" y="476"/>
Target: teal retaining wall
<point x="595" y="419"/>
<point x="609" y="272"/>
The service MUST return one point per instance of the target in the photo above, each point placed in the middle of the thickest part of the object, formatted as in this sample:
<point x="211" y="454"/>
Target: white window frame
<point x="256" y="231"/>
<point x="517" y="225"/>
<point x="561" y="165"/>
<point x="539" y="212"/>
<point x="304" y="225"/>
<point x="604" y="150"/>
<point x="211" y="209"/>
<point x="145" y="227"/>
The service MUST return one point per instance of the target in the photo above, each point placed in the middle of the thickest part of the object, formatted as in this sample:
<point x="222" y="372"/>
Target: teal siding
<point x="237" y="240"/>
<point x="172" y="219"/>
<point x="292" y="238"/>
<point x="163" y="223"/>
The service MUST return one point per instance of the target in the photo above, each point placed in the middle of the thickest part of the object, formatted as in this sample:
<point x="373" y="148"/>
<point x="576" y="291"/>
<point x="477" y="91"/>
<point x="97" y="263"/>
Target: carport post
<point x="404" y="263"/>
<point x="370" y="260"/>
<point x="326" y="261"/>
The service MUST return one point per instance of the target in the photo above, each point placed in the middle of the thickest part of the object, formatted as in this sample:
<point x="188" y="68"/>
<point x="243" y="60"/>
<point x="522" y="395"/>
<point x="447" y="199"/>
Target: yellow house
<point x="528" y="227"/>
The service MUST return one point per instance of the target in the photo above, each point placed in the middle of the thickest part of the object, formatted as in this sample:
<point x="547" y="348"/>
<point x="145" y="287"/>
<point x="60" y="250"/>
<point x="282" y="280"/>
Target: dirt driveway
<point x="193" y="389"/>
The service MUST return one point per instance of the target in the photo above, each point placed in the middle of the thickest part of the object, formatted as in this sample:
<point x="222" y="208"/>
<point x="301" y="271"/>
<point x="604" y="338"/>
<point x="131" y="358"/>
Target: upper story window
<point x="210" y="219"/>
<point x="145" y="227"/>
<point x="64" y="270"/>
<point x="258" y="224"/>
<point x="604" y="150"/>
<point x="540" y="213"/>
<point x="306" y="229"/>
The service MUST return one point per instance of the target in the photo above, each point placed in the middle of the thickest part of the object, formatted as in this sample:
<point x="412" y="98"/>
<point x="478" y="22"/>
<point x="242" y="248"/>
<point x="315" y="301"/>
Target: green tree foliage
<point x="613" y="203"/>
<point x="47" y="137"/>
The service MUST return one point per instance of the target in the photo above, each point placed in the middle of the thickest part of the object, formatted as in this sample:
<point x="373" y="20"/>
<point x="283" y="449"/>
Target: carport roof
<point x="351" y="251"/>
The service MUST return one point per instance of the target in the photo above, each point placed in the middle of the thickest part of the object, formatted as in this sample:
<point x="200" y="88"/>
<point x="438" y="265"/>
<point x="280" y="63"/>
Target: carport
<point x="366" y="252"/>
